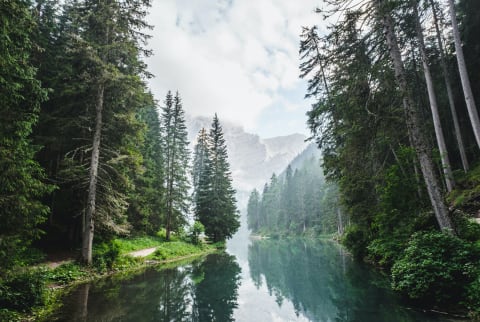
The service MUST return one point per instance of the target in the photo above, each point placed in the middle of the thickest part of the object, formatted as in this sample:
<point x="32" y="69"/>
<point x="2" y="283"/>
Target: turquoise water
<point x="267" y="280"/>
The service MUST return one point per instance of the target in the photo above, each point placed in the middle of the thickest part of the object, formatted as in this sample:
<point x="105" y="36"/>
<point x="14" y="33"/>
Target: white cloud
<point x="236" y="58"/>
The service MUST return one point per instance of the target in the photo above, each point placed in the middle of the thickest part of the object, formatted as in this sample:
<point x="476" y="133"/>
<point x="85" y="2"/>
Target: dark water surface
<point x="269" y="280"/>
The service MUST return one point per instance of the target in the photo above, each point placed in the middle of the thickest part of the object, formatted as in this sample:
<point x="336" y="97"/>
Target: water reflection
<point x="323" y="284"/>
<point x="201" y="291"/>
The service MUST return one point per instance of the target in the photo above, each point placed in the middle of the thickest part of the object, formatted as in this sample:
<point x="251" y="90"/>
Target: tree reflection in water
<point x="202" y="291"/>
<point x="323" y="283"/>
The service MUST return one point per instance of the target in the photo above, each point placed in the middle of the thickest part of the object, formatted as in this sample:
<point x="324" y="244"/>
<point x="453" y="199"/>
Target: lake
<point x="261" y="280"/>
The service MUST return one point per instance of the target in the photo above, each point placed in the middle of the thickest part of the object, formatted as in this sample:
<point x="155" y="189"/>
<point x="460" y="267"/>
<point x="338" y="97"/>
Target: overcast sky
<point x="238" y="58"/>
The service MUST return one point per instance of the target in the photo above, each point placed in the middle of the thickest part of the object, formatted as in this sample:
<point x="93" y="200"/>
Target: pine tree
<point x="174" y="138"/>
<point x="216" y="208"/>
<point x="107" y="38"/>
<point x="146" y="209"/>
<point x="200" y="159"/>
<point x="253" y="209"/>
<point x="21" y="178"/>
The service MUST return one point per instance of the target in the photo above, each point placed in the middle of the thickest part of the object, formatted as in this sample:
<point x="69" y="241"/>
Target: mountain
<point x="311" y="151"/>
<point x="252" y="159"/>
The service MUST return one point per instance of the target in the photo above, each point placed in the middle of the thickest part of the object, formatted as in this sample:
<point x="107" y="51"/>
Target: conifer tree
<point x="216" y="208"/>
<point x="107" y="38"/>
<point x="200" y="158"/>
<point x="21" y="178"/>
<point x="253" y="209"/>
<point x="146" y="209"/>
<point x="174" y="137"/>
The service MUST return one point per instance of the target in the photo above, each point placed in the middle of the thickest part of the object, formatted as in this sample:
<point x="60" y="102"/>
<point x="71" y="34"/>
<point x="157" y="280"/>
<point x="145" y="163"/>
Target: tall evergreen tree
<point x="200" y="159"/>
<point x="253" y="211"/>
<point x="108" y="38"/>
<point x="21" y="178"/>
<point x="146" y="209"/>
<point x="216" y="208"/>
<point x="174" y="137"/>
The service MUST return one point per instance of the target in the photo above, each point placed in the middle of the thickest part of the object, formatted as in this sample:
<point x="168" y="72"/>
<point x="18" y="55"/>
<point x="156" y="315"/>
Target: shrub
<point x="356" y="241"/>
<point x="162" y="233"/>
<point x="385" y="251"/>
<point x="23" y="291"/>
<point x="435" y="267"/>
<point x="125" y="262"/>
<point x="105" y="254"/>
<point x="195" y="231"/>
<point x="65" y="273"/>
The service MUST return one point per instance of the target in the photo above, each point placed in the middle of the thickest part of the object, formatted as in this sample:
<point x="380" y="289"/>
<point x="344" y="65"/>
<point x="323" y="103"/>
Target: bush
<point x="162" y="233"/>
<point x="65" y="273"/>
<point x="195" y="231"/>
<point x="126" y="262"/>
<point x="466" y="227"/>
<point x="105" y="254"/>
<point x="23" y="291"/>
<point x="435" y="267"/>
<point x="385" y="251"/>
<point x="356" y="241"/>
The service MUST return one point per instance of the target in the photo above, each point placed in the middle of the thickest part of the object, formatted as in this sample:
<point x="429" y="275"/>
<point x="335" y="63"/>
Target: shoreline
<point x="56" y="291"/>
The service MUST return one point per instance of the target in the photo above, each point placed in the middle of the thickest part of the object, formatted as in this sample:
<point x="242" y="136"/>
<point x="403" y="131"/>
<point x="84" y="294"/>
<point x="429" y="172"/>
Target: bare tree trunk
<point x="442" y="147"/>
<point x="340" y="221"/>
<point x="87" y="241"/>
<point x="467" y="90"/>
<point x="413" y="123"/>
<point x="448" y="85"/>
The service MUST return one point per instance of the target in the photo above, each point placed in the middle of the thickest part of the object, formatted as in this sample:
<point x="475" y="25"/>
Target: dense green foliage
<point x="297" y="202"/>
<point x="84" y="154"/>
<point x="23" y="291"/>
<point x="175" y="146"/>
<point x="22" y="180"/>
<point x="372" y="123"/>
<point x="436" y="267"/>
<point x="214" y="196"/>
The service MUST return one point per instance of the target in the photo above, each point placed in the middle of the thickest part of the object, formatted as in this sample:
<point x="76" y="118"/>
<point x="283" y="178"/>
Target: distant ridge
<point x="252" y="159"/>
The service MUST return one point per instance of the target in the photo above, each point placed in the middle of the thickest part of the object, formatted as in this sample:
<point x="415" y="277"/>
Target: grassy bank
<point x="33" y="293"/>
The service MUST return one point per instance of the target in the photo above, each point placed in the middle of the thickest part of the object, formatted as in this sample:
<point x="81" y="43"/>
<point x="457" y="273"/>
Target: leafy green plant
<point x="435" y="267"/>
<point x="137" y="243"/>
<point x="195" y="231"/>
<point x="105" y="254"/>
<point x="23" y="291"/>
<point x="356" y="241"/>
<point x="126" y="262"/>
<point x="175" y="249"/>
<point x="65" y="273"/>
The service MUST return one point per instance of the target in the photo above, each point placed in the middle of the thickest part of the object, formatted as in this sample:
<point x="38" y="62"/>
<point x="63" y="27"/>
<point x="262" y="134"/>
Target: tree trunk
<point x="413" y="122"/>
<point x="340" y="221"/>
<point x="467" y="90"/>
<point x="448" y="85"/>
<point x="442" y="147"/>
<point x="87" y="241"/>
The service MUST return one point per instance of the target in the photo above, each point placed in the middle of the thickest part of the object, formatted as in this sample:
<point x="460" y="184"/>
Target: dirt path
<point x="143" y="252"/>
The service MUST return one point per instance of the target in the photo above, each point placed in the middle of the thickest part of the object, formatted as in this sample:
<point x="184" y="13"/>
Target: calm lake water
<point x="268" y="280"/>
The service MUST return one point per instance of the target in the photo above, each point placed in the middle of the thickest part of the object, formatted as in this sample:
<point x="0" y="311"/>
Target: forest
<point x="395" y="85"/>
<point x="87" y="154"/>
<point x="299" y="201"/>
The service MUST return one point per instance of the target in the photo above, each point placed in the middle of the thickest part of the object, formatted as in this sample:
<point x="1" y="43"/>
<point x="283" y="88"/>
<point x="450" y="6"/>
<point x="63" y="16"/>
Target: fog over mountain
<point x="252" y="159"/>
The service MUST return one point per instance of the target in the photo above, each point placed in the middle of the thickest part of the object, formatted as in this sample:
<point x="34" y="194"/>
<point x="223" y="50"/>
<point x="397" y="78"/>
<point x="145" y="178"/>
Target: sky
<point x="236" y="58"/>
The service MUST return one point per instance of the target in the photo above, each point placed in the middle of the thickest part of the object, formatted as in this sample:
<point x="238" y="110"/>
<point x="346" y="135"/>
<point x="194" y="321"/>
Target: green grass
<point x="169" y="250"/>
<point x="138" y="243"/>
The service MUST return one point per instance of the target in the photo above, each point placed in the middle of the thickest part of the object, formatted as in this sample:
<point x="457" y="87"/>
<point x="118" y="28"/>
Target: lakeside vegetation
<point x="87" y="155"/>
<point x="396" y="121"/>
<point x="34" y="293"/>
